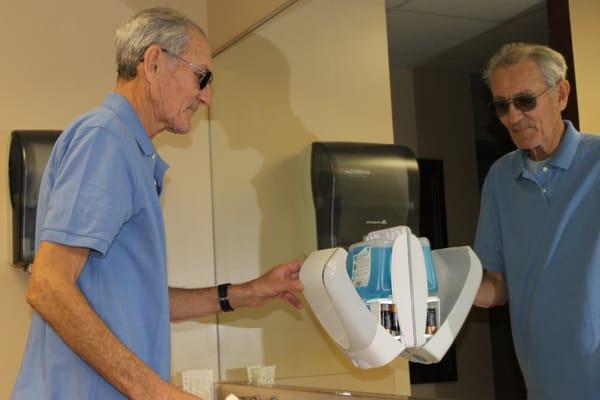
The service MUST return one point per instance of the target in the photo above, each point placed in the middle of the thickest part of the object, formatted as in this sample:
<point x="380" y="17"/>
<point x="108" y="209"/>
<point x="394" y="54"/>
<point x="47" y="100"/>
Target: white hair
<point x="551" y="63"/>
<point x="160" y="25"/>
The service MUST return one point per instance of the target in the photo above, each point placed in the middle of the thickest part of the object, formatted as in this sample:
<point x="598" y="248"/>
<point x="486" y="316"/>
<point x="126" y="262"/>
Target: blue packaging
<point x="368" y="265"/>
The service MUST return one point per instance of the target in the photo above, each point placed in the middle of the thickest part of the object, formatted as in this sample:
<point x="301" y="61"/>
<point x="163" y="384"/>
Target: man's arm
<point x="53" y="293"/>
<point x="492" y="291"/>
<point x="280" y="281"/>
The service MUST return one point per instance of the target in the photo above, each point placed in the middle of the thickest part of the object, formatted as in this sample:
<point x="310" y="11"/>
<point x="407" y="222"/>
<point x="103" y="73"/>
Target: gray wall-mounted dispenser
<point x="29" y="153"/>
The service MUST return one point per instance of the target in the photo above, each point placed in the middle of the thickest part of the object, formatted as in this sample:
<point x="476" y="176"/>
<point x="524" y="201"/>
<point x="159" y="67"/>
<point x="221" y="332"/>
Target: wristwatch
<point x="224" y="297"/>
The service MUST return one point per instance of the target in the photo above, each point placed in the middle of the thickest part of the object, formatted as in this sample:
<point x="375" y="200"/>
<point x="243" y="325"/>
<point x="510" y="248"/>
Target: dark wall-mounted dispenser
<point x="361" y="187"/>
<point x="29" y="153"/>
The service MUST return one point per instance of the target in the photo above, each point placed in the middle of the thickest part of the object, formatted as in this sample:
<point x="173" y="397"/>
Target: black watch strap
<point x="224" y="297"/>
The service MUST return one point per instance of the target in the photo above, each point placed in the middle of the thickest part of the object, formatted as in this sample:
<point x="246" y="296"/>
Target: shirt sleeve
<point x="92" y="193"/>
<point x="488" y="239"/>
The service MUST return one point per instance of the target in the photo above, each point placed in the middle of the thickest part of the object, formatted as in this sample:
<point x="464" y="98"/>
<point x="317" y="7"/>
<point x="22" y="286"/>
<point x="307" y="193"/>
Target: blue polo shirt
<point x="101" y="190"/>
<point x="542" y="231"/>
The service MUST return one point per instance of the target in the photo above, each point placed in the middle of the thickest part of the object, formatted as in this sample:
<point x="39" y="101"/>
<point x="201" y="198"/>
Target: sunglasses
<point x="522" y="102"/>
<point x="203" y="74"/>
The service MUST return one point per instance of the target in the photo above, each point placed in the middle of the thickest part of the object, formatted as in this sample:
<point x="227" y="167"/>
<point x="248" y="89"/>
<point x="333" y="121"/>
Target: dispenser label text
<point x="361" y="268"/>
<point x="357" y="173"/>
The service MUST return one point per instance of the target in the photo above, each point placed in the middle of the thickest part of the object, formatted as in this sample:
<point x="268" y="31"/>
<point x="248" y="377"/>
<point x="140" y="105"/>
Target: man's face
<point x="180" y="95"/>
<point x="538" y="130"/>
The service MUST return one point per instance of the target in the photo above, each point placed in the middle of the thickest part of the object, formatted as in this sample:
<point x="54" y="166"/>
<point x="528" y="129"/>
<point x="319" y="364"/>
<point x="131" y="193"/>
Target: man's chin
<point x="523" y="144"/>
<point x="180" y="129"/>
<point x="523" y="141"/>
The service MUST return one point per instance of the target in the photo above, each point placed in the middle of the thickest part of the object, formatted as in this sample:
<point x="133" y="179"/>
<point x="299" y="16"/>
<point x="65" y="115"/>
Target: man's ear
<point x="564" y="88"/>
<point x="150" y="63"/>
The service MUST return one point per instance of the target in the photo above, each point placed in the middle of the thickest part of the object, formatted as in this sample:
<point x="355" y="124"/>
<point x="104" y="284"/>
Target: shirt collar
<point x="127" y="114"/>
<point x="562" y="158"/>
<point x="568" y="147"/>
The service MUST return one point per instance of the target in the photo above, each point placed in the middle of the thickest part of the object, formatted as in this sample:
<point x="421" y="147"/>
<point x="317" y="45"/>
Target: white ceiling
<point x="421" y="30"/>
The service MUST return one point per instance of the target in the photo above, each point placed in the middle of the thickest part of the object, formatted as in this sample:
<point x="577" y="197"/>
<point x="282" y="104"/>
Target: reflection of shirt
<point x="101" y="190"/>
<point x="543" y="232"/>
<point x="533" y="166"/>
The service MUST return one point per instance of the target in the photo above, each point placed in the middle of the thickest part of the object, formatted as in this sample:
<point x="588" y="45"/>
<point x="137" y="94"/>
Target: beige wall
<point x="318" y="71"/>
<point x="230" y="19"/>
<point x="585" y="15"/>
<point x="58" y="63"/>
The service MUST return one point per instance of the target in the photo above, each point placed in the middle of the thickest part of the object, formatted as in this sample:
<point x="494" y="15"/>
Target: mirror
<point x="321" y="71"/>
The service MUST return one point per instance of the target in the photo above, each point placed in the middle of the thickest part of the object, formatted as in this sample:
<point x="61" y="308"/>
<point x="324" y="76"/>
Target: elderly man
<point x="100" y="329"/>
<point x="538" y="234"/>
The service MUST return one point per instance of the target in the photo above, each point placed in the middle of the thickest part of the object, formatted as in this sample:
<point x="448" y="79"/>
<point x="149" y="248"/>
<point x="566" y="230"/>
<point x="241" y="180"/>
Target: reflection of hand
<point x="280" y="281"/>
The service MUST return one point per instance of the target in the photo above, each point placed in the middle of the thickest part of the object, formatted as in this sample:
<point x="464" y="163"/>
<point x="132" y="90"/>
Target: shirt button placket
<point x="153" y="158"/>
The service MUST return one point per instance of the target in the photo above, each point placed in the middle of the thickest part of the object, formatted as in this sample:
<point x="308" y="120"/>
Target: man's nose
<point x="514" y="114"/>
<point x="205" y="96"/>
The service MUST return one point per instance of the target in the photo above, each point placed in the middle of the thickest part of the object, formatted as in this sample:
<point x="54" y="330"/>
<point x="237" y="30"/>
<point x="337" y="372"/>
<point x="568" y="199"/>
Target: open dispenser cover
<point x="357" y="328"/>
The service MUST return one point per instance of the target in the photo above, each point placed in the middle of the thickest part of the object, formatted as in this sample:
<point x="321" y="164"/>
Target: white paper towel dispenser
<point x="358" y="328"/>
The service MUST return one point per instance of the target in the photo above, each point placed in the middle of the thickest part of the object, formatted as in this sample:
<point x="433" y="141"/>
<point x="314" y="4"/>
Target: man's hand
<point x="492" y="291"/>
<point x="280" y="281"/>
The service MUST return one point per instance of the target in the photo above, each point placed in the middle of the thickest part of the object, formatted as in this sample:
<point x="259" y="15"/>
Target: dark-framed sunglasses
<point x="522" y="102"/>
<point x="203" y="74"/>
